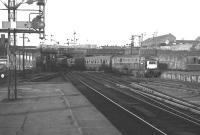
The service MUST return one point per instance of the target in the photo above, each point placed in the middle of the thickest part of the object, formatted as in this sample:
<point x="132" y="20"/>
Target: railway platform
<point x="51" y="108"/>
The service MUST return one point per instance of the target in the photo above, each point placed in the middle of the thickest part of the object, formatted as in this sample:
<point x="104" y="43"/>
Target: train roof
<point x="126" y="56"/>
<point x="98" y="56"/>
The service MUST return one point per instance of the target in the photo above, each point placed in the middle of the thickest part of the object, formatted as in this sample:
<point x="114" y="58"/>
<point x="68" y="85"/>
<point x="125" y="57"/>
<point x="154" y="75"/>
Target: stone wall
<point x="175" y="60"/>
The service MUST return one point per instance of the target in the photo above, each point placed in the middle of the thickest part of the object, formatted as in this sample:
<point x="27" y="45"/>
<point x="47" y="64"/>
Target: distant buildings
<point x="156" y="42"/>
<point x="186" y="45"/>
<point x="169" y="42"/>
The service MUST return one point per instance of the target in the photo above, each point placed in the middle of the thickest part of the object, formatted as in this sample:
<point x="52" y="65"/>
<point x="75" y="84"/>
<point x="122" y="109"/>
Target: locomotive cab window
<point x="152" y="62"/>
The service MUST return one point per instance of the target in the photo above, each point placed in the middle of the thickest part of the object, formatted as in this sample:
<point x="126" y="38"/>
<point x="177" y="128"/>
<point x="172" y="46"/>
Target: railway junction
<point x="55" y="95"/>
<point x="74" y="102"/>
<point x="153" y="89"/>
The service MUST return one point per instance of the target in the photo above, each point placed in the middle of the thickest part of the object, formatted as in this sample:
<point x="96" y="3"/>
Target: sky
<point x="112" y="22"/>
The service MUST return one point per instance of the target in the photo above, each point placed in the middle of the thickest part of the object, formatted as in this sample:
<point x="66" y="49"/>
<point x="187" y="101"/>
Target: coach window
<point x="195" y="60"/>
<point x="120" y="60"/>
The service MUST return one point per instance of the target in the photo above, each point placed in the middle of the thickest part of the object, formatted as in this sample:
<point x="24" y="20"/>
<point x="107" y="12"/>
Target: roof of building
<point x="187" y="42"/>
<point x="159" y="39"/>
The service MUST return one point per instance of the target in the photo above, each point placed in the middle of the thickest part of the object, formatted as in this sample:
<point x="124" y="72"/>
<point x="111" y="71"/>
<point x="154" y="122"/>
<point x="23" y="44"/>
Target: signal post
<point x="12" y="28"/>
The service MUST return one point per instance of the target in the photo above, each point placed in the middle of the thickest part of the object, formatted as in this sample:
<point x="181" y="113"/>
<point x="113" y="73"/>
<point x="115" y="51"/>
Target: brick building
<point x="175" y="60"/>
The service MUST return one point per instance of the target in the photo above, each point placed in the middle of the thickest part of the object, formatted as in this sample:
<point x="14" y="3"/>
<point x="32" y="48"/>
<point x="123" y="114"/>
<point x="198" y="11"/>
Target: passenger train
<point x="130" y="65"/>
<point x="136" y="65"/>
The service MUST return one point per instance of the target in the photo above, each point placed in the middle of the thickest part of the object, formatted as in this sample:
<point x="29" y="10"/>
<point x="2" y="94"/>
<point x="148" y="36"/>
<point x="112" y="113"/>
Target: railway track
<point x="146" y="89"/>
<point x="175" y="104"/>
<point x="158" y="117"/>
<point x="165" y="82"/>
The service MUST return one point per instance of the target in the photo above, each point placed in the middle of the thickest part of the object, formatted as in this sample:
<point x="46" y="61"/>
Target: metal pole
<point x="152" y="41"/>
<point x="74" y="38"/>
<point x="142" y="39"/>
<point x="132" y="44"/>
<point x="8" y="64"/>
<point x="19" y="64"/>
<point x="23" y="62"/>
<point x="12" y="75"/>
<point x="15" y="62"/>
<point x="9" y="54"/>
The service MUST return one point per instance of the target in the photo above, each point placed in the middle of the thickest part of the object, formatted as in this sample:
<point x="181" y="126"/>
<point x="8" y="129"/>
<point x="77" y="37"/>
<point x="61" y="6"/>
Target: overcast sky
<point x="114" y="21"/>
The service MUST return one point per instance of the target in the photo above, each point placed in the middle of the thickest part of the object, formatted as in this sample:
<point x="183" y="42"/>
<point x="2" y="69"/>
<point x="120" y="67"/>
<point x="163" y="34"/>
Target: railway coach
<point x="136" y="65"/>
<point x="126" y="64"/>
<point x="97" y="62"/>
